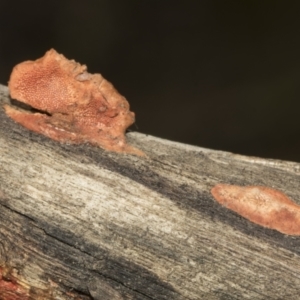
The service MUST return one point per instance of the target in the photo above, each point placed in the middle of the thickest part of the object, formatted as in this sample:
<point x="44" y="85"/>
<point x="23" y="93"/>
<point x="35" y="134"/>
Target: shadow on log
<point x="78" y="222"/>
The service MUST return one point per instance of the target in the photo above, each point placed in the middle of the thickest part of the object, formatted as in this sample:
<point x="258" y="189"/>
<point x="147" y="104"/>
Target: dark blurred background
<point x="217" y="74"/>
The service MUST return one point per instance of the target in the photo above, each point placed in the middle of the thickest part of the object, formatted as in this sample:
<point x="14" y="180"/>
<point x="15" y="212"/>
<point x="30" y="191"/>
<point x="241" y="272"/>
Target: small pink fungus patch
<point x="261" y="205"/>
<point x="10" y="289"/>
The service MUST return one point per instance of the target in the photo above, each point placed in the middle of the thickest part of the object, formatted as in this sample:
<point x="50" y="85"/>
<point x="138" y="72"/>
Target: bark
<point x="78" y="222"/>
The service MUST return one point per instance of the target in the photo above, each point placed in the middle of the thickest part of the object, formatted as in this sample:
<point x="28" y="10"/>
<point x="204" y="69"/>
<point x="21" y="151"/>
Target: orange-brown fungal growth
<point x="74" y="106"/>
<point x="10" y="288"/>
<point x="261" y="205"/>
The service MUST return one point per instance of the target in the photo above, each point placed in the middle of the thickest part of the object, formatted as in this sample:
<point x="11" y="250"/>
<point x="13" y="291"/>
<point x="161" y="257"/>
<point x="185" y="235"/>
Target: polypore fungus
<point x="261" y="205"/>
<point x="72" y="105"/>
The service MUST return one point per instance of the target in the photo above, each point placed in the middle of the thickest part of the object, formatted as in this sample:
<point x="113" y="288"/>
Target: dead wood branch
<point x="78" y="222"/>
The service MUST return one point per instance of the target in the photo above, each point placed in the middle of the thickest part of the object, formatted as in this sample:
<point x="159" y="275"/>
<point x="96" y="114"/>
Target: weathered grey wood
<point x="102" y="225"/>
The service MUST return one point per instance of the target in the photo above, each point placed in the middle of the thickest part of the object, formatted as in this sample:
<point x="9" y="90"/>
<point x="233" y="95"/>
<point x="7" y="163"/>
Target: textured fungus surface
<point x="262" y="205"/>
<point x="10" y="289"/>
<point x="73" y="105"/>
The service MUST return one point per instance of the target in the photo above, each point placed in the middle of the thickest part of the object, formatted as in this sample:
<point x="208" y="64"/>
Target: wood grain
<point x="78" y="222"/>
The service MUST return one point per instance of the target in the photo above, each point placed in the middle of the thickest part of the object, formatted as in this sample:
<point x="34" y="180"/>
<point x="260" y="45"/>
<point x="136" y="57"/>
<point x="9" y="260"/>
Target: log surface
<point x="78" y="222"/>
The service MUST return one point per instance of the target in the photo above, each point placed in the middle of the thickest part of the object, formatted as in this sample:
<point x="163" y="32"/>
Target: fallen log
<point x="79" y="222"/>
